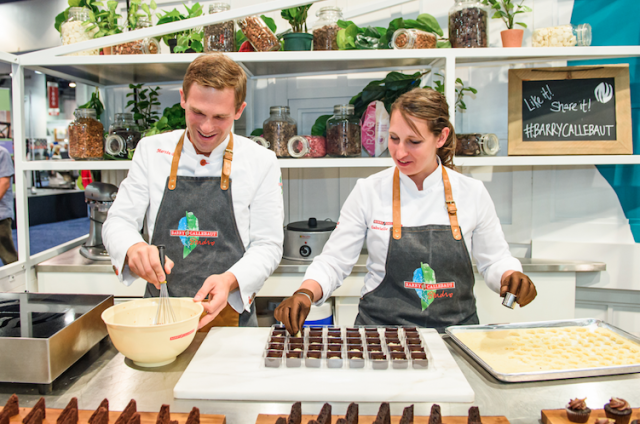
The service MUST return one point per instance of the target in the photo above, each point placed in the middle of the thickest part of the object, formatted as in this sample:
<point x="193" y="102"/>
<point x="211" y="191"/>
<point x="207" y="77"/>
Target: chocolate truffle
<point x="12" y="407"/>
<point x="104" y="404"/>
<point x="73" y="404"/>
<point x="384" y="413"/>
<point x="135" y="418"/>
<point x="352" y="413"/>
<point x="295" y="416"/>
<point x="40" y="405"/>
<point x="407" y="415"/>
<point x="164" y="416"/>
<point x="325" y="414"/>
<point x="436" y="416"/>
<point x="125" y="416"/>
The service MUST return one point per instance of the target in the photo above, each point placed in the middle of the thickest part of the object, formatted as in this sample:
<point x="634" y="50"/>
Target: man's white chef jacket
<point x="367" y="215"/>
<point x="256" y="190"/>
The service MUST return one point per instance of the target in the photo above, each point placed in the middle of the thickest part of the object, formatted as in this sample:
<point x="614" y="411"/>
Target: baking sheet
<point x="545" y="375"/>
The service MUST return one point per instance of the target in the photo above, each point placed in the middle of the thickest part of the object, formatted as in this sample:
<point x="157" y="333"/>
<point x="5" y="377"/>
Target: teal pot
<point x="298" y="41"/>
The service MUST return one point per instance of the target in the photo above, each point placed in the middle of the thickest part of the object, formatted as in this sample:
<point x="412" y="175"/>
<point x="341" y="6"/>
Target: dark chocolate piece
<point x="11" y="408"/>
<point x="125" y="416"/>
<point x="135" y="418"/>
<point x="324" y="417"/>
<point x="4" y="419"/>
<point x="474" y="415"/>
<point x="295" y="416"/>
<point x="384" y="413"/>
<point x="104" y="404"/>
<point x="281" y="420"/>
<point x="164" y="416"/>
<point x="73" y="404"/>
<point x="70" y="417"/>
<point x="436" y="416"/>
<point x="352" y="413"/>
<point x="407" y="415"/>
<point x="102" y="417"/>
<point x="341" y="421"/>
<point x="194" y="416"/>
<point x="40" y="405"/>
<point x="36" y="417"/>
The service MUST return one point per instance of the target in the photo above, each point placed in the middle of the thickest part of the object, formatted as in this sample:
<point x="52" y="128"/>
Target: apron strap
<point x="226" y="163"/>
<point x="448" y="196"/>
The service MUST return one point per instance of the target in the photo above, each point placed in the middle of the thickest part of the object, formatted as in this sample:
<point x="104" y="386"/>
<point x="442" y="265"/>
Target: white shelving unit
<point x="111" y="71"/>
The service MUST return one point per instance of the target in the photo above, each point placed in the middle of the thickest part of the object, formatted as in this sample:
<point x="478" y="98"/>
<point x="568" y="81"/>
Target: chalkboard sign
<point x="569" y="110"/>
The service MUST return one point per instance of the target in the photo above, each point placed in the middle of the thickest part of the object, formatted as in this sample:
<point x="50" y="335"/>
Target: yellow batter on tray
<point x="548" y="349"/>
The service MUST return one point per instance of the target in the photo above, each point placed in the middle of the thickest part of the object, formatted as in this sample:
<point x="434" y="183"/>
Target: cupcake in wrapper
<point x="577" y="411"/>
<point x="619" y="410"/>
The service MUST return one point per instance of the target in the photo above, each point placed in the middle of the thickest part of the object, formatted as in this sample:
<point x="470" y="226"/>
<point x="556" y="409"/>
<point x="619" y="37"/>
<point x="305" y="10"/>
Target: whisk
<point x="164" y="314"/>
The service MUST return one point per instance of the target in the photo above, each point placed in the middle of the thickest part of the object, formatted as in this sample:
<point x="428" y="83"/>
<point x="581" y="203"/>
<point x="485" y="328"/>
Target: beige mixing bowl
<point x="130" y="326"/>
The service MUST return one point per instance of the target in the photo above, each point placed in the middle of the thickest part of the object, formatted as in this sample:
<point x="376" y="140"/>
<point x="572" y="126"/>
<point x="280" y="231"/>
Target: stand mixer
<point x="100" y="197"/>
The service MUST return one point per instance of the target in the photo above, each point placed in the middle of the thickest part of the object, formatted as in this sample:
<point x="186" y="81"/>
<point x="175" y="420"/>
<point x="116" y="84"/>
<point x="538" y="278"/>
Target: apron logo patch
<point x="424" y="283"/>
<point x="190" y="234"/>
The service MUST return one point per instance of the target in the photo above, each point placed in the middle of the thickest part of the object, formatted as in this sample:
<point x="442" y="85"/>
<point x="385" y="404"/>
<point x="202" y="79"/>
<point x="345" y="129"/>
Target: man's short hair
<point x="217" y="71"/>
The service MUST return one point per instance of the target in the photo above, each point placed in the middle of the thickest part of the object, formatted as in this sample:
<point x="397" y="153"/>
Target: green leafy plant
<point x="175" y="16"/>
<point x="297" y="17"/>
<point x="460" y="90"/>
<point x="143" y="104"/>
<point x="240" y="38"/>
<point x="173" y="118"/>
<point x="190" y="40"/>
<point x="507" y="11"/>
<point x="134" y="13"/>
<point x="63" y="16"/>
<point x="94" y="103"/>
<point x="105" y="20"/>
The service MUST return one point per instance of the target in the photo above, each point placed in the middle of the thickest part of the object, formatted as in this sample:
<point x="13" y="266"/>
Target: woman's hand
<point x="520" y="285"/>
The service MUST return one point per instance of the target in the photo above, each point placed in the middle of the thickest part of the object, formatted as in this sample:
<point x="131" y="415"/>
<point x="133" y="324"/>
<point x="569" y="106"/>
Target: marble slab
<point x="229" y="365"/>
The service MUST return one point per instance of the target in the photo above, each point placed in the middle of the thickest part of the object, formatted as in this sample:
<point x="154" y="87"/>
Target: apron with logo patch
<point x="408" y="297"/>
<point x="196" y="224"/>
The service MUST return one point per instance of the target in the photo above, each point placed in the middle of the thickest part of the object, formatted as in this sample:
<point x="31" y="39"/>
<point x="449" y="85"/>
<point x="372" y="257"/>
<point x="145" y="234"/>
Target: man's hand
<point x="217" y="286"/>
<point x="293" y="311"/>
<point x="520" y="285"/>
<point x="144" y="260"/>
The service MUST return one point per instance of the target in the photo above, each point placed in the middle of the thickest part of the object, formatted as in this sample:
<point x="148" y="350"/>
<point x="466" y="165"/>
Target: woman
<point x="420" y="221"/>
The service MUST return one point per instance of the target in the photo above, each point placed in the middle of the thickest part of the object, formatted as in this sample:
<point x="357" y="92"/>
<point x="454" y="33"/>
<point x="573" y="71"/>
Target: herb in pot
<point x="173" y="118"/>
<point x="143" y="104"/>
<point x="507" y="11"/>
<point x="175" y="16"/>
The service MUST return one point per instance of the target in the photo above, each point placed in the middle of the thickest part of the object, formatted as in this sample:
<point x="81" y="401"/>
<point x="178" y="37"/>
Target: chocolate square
<point x="374" y="348"/>
<point x="357" y="348"/>
<point x="331" y="354"/>
<point x="315" y="340"/>
<point x="315" y="347"/>
<point x="276" y="346"/>
<point x="276" y="340"/>
<point x="353" y="340"/>
<point x="334" y="347"/>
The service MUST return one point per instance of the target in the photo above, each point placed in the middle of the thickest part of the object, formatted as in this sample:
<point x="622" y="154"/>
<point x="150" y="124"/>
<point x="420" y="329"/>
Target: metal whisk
<point x="164" y="314"/>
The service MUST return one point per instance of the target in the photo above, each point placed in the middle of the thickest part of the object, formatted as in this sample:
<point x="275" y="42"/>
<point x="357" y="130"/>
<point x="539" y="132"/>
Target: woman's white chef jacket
<point x="367" y="215"/>
<point x="256" y="189"/>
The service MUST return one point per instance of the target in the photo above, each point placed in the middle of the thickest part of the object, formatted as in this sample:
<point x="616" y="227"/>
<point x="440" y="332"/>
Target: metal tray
<point x="545" y="375"/>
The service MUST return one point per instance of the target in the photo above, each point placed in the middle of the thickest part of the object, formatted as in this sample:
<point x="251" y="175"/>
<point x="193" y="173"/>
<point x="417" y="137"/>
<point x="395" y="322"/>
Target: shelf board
<point x="73" y="165"/>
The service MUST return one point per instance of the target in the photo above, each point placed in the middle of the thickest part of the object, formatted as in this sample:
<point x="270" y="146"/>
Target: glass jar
<point x="469" y="24"/>
<point x="411" y="38"/>
<point x="124" y="135"/>
<point x="562" y="36"/>
<point x="278" y="129"/>
<point x="73" y="30"/>
<point x="258" y="33"/>
<point x="343" y="132"/>
<point x="220" y="37"/>
<point x="325" y="30"/>
<point x="307" y="146"/>
<point x="477" y="144"/>
<point x="260" y="141"/>
<point x="86" y="141"/>
<point x="147" y="45"/>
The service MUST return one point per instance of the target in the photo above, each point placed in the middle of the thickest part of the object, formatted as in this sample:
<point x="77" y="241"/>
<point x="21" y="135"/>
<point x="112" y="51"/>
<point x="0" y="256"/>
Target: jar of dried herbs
<point x="86" y="141"/>
<point x="124" y="135"/>
<point x="220" y="37"/>
<point x="477" y="144"/>
<point x="278" y="129"/>
<point x="343" y="132"/>
<point x="147" y="45"/>
<point x="469" y="24"/>
<point x="325" y="30"/>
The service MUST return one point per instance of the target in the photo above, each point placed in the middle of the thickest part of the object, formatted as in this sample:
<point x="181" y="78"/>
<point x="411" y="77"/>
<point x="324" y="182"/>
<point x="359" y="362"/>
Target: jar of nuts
<point x="343" y="132"/>
<point x="325" y="30"/>
<point x="307" y="146"/>
<point x="469" y="24"/>
<point x="278" y="129"/>
<point x="562" y="36"/>
<point x="86" y="138"/>
<point x="147" y="45"/>
<point x="74" y="30"/>
<point x="258" y="33"/>
<point x="411" y="38"/>
<point x="477" y="144"/>
<point x="260" y="141"/>
<point x="220" y="37"/>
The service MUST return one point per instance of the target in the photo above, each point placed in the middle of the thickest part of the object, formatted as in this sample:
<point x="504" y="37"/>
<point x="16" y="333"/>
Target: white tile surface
<point x="229" y="365"/>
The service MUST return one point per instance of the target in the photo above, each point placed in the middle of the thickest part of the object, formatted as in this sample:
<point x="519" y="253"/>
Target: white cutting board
<point x="229" y="365"/>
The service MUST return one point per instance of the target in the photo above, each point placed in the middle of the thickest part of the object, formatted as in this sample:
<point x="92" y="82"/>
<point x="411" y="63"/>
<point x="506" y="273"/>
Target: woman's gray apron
<point x="196" y="224"/>
<point x="402" y="298"/>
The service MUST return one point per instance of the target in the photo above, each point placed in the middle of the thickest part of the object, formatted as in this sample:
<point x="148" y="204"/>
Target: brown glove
<point x="520" y="285"/>
<point x="294" y="310"/>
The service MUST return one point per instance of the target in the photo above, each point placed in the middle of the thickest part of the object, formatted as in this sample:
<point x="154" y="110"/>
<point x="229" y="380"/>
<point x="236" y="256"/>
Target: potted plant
<point x="190" y="42"/>
<point x="171" y="40"/>
<point x="107" y="23"/>
<point x="298" y="39"/>
<point x="134" y="13"/>
<point x="507" y="11"/>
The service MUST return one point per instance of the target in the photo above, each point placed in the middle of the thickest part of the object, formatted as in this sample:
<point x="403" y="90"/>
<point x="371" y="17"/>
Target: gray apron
<point x="397" y="300"/>
<point x="196" y="224"/>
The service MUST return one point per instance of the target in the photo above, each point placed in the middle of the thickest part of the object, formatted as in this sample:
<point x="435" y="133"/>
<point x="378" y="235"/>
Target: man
<point x="214" y="199"/>
<point x="8" y="252"/>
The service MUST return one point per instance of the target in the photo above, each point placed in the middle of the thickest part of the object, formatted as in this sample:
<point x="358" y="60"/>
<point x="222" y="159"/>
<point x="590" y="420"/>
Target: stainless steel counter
<point x="72" y="261"/>
<point x="106" y="373"/>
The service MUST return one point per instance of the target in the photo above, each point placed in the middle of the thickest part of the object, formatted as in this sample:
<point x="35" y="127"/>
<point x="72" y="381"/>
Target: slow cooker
<point x="304" y="240"/>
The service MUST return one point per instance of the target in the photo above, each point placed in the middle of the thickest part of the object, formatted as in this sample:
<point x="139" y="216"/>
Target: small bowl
<point x="419" y="360"/>
<point x="356" y="360"/>
<point x="334" y="359"/>
<point x="273" y="358"/>
<point x="313" y="359"/>
<point x="379" y="361"/>
<point x="399" y="360"/>
<point x="293" y="359"/>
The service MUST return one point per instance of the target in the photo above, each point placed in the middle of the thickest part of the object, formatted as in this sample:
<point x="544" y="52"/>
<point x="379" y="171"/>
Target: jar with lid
<point x="124" y="135"/>
<point x="343" y="132"/>
<point x="278" y="129"/>
<point x="220" y="37"/>
<point x="562" y="36"/>
<point x="469" y="24"/>
<point x="325" y="30"/>
<point x="477" y="144"/>
<point x="86" y="138"/>
<point x="261" y="141"/>
<point x="147" y="45"/>
<point x="74" y="30"/>
<point x="258" y="33"/>
<point x="307" y="146"/>
<point x="411" y="38"/>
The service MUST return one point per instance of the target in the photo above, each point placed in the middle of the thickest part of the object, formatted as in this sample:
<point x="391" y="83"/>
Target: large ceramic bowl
<point x="130" y="326"/>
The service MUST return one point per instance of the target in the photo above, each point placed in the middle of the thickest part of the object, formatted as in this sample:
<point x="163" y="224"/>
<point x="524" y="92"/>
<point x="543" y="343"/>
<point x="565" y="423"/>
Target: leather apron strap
<point x="448" y="196"/>
<point x="226" y="163"/>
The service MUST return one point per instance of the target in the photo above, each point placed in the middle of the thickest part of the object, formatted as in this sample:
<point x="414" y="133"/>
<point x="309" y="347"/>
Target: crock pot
<point x="304" y="240"/>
